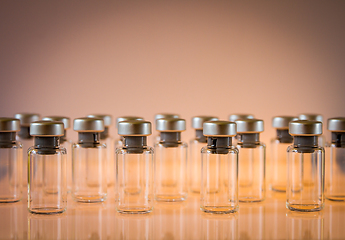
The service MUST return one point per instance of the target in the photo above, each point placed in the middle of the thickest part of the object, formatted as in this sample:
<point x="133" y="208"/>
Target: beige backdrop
<point x="139" y="58"/>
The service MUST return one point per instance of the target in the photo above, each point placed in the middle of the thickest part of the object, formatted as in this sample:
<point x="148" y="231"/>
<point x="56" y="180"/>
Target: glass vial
<point x="119" y="141"/>
<point x="134" y="168"/>
<point x="335" y="161"/>
<point x="219" y="169"/>
<point x="89" y="173"/>
<point x="314" y="117"/>
<point x="233" y="118"/>
<point x="11" y="161"/>
<point x="47" y="185"/>
<point x="194" y="163"/>
<point x="279" y="144"/>
<point x="306" y="167"/>
<point x="170" y="161"/>
<point x="163" y="115"/>
<point x="252" y="160"/>
<point x="25" y="139"/>
<point x="65" y="143"/>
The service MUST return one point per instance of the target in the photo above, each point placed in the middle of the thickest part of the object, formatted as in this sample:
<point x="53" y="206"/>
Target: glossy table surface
<point x="267" y="220"/>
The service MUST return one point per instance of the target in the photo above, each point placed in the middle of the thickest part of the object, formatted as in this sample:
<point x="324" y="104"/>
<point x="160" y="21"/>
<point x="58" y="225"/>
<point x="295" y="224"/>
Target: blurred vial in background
<point x="11" y="161"/>
<point x="106" y="139"/>
<point x="194" y="163"/>
<point x="252" y="160"/>
<point x="163" y="115"/>
<point x="219" y="169"/>
<point x="89" y="171"/>
<point x="306" y="167"/>
<point x="134" y="168"/>
<point x="233" y="118"/>
<point x="170" y="161"/>
<point x="335" y="161"/>
<point x="119" y="141"/>
<point x="314" y="117"/>
<point x="66" y="143"/>
<point x="279" y="145"/>
<point x="25" y="139"/>
<point x="47" y="185"/>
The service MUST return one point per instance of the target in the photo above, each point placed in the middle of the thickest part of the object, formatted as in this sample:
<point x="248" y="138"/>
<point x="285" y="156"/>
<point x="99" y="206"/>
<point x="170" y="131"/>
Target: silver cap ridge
<point x="66" y="120"/>
<point x="47" y="129"/>
<point x="108" y="119"/>
<point x="250" y="126"/>
<point x="27" y="118"/>
<point x="311" y="117"/>
<point x="336" y="124"/>
<point x="234" y="117"/>
<point x="282" y="122"/>
<point x="166" y="115"/>
<point x="198" y="121"/>
<point x="170" y="125"/>
<point x="9" y="125"/>
<point x="88" y="125"/>
<point x="305" y="128"/>
<point x="219" y="129"/>
<point x="134" y="128"/>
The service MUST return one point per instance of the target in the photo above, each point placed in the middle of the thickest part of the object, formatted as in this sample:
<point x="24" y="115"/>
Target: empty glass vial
<point x="25" y="139"/>
<point x="194" y="163"/>
<point x="66" y="143"/>
<point x="11" y="161"/>
<point x="279" y="144"/>
<point x="163" y="115"/>
<point x="47" y="185"/>
<point x="170" y="161"/>
<point x="314" y="117"/>
<point x="335" y="161"/>
<point x="233" y="118"/>
<point x="106" y="139"/>
<point x="219" y="169"/>
<point x="306" y="167"/>
<point x="89" y="163"/>
<point x="252" y="160"/>
<point x="134" y="168"/>
<point x="119" y="141"/>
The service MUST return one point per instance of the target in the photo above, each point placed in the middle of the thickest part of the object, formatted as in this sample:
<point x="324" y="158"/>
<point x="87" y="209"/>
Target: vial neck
<point x="135" y="144"/>
<point x="219" y="145"/>
<point x="63" y="138"/>
<point x="88" y="139"/>
<point x="338" y="139"/>
<point x="24" y="132"/>
<point x="170" y="139"/>
<point x="46" y="145"/>
<point x="249" y="140"/>
<point x="7" y="139"/>
<point x="105" y="133"/>
<point x="199" y="136"/>
<point x="305" y="144"/>
<point x="283" y="136"/>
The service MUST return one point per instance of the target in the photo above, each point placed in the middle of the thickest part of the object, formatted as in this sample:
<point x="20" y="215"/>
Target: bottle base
<point x="170" y="198"/>
<point x="339" y="198"/>
<point x="305" y="207"/>
<point x="89" y="199"/>
<point x="47" y="210"/>
<point x="250" y="199"/>
<point x="9" y="200"/>
<point x="135" y="210"/>
<point x="278" y="188"/>
<point x="219" y="209"/>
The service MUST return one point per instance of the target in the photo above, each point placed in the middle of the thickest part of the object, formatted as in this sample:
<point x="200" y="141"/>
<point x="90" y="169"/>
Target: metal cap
<point x="47" y="129"/>
<point x="311" y="117"/>
<point x="88" y="125"/>
<point x="108" y="119"/>
<point x="27" y="118"/>
<point x="234" y="117"/>
<point x="127" y="118"/>
<point x="282" y="122"/>
<point x="134" y="128"/>
<point x="250" y="125"/>
<point x="166" y="115"/>
<point x="219" y="129"/>
<point x="9" y="125"/>
<point x="66" y="121"/>
<point x="198" y="121"/>
<point x="305" y="128"/>
<point x="336" y="124"/>
<point x="170" y="125"/>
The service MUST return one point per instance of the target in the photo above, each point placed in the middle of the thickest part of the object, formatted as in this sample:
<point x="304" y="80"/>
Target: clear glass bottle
<point x="25" y="139"/>
<point x="279" y="144"/>
<point x="106" y="139"/>
<point x="305" y="167"/>
<point x="252" y="161"/>
<point x="89" y="163"/>
<point x="194" y="163"/>
<point x="335" y="161"/>
<point x="134" y="168"/>
<point x="238" y="116"/>
<point x="163" y="115"/>
<point x="170" y="161"/>
<point x="47" y="185"/>
<point x="314" y="117"/>
<point x="11" y="161"/>
<point x="65" y="143"/>
<point x="119" y="141"/>
<point x="219" y="169"/>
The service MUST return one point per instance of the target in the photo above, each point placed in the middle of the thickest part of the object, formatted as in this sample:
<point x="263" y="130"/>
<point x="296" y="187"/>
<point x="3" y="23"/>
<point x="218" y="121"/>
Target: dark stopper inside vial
<point x="305" y="144"/>
<point x="24" y="132"/>
<point x="105" y="133"/>
<point x="170" y="139"/>
<point x="135" y="144"/>
<point x="7" y="139"/>
<point x="46" y="145"/>
<point x="283" y="136"/>
<point x="199" y="136"/>
<point x="249" y="140"/>
<point x="88" y="139"/>
<point x="338" y="139"/>
<point x="219" y="145"/>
